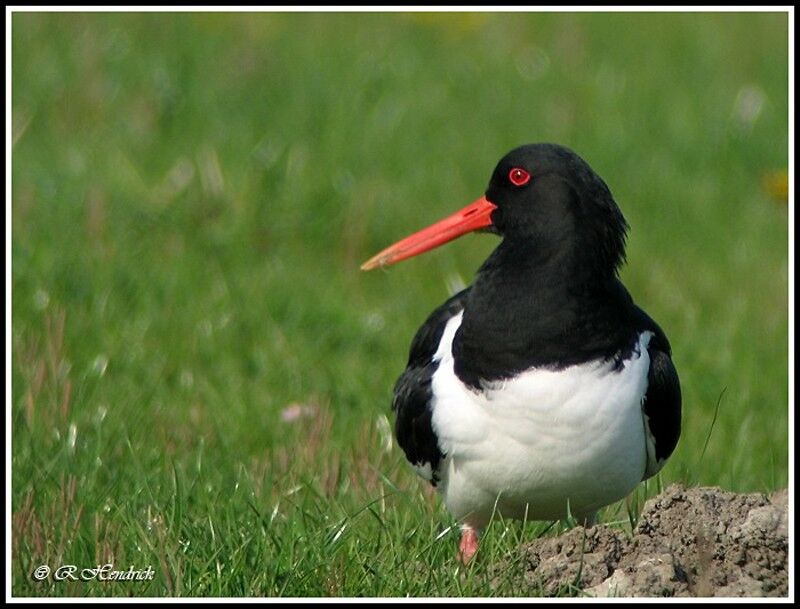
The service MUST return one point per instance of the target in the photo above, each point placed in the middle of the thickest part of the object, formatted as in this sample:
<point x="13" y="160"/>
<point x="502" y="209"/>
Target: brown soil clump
<point x="688" y="542"/>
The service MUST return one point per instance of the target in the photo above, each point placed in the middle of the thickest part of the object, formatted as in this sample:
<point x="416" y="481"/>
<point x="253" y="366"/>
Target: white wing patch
<point x="653" y="465"/>
<point x="423" y="470"/>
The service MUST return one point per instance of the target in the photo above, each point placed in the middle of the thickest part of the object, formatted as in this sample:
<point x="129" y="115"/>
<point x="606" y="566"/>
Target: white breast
<point x="541" y="441"/>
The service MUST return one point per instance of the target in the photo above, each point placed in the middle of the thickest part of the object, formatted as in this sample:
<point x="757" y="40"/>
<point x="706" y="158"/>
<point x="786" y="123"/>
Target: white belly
<point x="538" y="443"/>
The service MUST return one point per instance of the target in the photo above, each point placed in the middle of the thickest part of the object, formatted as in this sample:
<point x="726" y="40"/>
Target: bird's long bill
<point x="474" y="216"/>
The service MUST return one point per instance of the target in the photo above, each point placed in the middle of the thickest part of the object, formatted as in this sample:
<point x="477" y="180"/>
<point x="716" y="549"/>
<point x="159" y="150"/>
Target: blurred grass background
<point x="201" y="374"/>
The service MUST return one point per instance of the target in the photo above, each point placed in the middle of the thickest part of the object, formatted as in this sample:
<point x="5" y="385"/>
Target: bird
<point x="541" y="391"/>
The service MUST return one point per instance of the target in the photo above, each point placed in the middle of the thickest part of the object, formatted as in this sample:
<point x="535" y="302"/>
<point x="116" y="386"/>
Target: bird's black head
<point x="549" y="197"/>
<point x="547" y="203"/>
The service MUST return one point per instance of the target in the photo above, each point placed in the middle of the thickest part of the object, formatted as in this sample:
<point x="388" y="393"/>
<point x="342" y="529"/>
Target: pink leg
<point x="469" y="544"/>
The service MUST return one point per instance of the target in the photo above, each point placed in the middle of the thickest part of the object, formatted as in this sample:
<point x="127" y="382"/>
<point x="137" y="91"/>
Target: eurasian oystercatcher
<point x="541" y="390"/>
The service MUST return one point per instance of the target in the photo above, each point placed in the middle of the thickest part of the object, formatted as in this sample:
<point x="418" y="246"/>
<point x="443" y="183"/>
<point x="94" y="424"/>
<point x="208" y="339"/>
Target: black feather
<point x="413" y="394"/>
<point x="662" y="401"/>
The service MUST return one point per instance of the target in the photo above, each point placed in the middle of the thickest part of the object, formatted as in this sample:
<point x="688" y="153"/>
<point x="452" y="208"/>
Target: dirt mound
<point x="688" y="542"/>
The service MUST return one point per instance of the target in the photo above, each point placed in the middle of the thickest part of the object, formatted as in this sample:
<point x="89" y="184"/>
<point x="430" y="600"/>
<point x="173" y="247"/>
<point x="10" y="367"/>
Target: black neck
<point x="544" y="306"/>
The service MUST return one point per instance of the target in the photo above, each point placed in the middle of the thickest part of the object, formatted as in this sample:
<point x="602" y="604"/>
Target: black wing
<point x="662" y="401"/>
<point x="413" y="393"/>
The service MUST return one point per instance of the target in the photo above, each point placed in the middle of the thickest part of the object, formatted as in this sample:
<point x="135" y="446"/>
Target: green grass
<point x="193" y="195"/>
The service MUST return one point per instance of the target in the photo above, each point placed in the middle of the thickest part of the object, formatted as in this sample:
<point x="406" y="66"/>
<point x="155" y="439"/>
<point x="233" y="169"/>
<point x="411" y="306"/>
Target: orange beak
<point x="474" y="216"/>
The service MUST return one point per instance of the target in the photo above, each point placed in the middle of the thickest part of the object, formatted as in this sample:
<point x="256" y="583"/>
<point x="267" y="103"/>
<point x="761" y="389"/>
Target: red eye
<point x="519" y="177"/>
